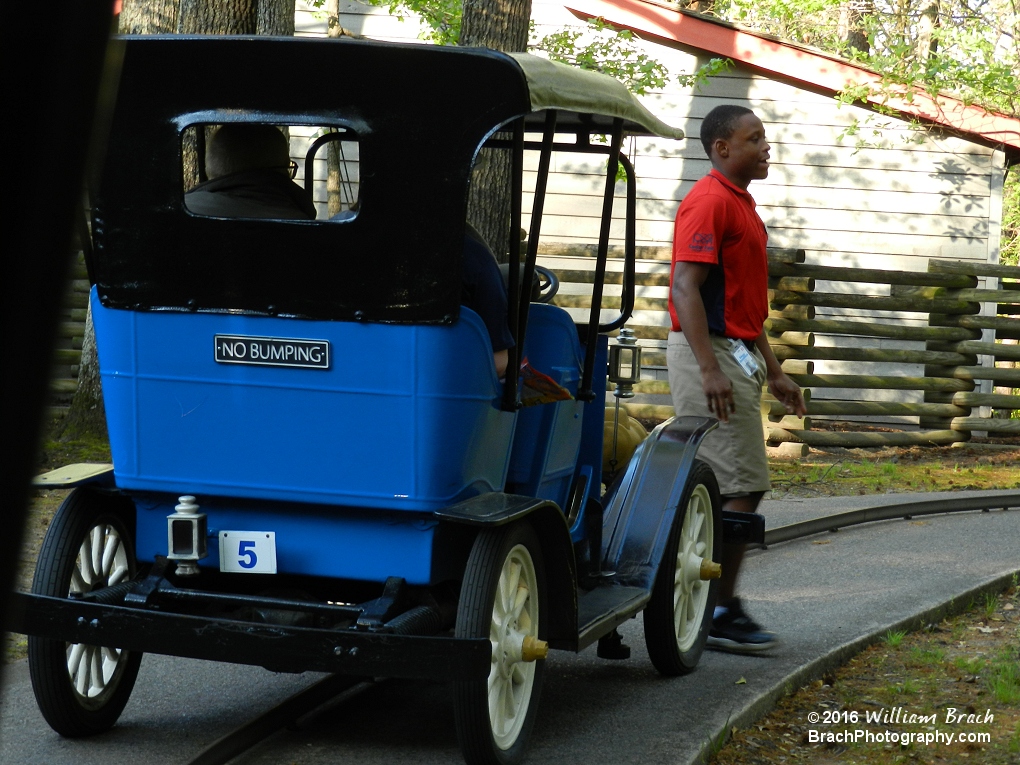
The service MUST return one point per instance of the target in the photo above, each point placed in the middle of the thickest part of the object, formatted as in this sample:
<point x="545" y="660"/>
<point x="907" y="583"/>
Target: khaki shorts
<point x="735" y="450"/>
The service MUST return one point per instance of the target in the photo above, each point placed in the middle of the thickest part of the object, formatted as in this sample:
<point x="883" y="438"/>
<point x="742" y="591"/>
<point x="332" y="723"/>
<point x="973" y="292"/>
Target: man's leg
<point x="733" y="554"/>
<point x="736" y="453"/>
<point x="732" y="629"/>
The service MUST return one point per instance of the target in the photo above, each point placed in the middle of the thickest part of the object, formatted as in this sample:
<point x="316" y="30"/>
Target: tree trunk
<point x="497" y="24"/>
<point x="236" y="17"/>
<point x="852" y="25"/>
<point x="219" y="17"/>
<point x="87" y="414"/>
<point x="927" y="44"/>
<point x="148" y="17"/>
<point x="86" y="417"/>
<point x="275" y="18"/>
<point x="500" y="25"/>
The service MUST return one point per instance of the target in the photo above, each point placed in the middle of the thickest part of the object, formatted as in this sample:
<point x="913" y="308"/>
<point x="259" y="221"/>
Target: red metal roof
<point x="796" y="64"/>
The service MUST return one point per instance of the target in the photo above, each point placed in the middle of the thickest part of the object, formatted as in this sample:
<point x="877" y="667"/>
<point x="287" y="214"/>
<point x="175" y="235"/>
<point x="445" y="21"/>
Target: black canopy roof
<point x="420" y="114"/>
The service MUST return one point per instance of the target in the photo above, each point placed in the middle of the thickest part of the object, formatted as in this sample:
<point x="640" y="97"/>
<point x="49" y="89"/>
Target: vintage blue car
<point x="315" y="463"/>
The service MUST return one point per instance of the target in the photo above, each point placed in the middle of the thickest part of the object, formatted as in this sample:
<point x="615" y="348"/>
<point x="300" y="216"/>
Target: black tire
<point x="81" y="690"/>
<point x="679" y="614"/>
<point x="502" y="552"/>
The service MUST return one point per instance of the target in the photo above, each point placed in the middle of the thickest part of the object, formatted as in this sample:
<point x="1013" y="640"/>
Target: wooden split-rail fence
<point x="928" y="355"/>
<point x="907" y="346"/>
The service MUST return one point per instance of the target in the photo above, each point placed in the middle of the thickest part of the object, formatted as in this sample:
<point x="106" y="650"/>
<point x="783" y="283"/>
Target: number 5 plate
<point x="248" y="552"/>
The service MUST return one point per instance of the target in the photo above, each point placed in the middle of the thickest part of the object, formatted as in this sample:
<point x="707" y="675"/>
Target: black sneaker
<point x="736" y="632"/>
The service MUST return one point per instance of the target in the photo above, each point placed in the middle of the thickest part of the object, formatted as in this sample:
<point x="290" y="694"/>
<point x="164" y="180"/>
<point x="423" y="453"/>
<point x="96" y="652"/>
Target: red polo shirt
<point x="717" y="224"/>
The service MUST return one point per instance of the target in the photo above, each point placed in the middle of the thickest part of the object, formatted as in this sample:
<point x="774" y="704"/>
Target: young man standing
<point x="719" y="358"/>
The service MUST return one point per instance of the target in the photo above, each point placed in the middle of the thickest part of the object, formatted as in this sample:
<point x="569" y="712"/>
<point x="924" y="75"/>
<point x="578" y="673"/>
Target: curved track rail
<point x="904" y="510"/>
<point x="336" y="689"/>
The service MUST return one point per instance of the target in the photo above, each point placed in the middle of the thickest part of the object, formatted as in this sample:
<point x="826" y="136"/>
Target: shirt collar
<point x="731" y="186"/>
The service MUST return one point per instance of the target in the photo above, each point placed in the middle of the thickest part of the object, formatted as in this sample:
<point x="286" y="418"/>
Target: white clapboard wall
<point x="914" y="197"/>
<point x="893" y="202"/>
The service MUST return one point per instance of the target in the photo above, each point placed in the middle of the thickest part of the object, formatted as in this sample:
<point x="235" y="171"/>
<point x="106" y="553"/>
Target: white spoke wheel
<point x="679" y="614"/>
<point x="502" y="598"/>
<point x="82" y="689"/>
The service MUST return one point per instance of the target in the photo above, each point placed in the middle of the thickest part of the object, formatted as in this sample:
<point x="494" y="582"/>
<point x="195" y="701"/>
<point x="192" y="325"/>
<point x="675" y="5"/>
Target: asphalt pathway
<point x="827" y="596"/>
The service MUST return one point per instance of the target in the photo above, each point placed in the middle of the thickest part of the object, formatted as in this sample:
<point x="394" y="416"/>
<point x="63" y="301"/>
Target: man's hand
<point x="718" y="393"/>
<point x="788" y="393"/>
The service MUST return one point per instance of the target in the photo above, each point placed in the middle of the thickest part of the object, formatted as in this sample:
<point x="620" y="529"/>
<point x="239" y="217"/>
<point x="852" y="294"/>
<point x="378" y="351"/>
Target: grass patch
<point x="1003" y="676"/>
<point x="924" y="656"/>
<point x="846" y="472"/>
<point x="991" y="602"/>
<point x="893" y="638"/>
<point x="970" y="663"/>
<point x="58" y="453"/>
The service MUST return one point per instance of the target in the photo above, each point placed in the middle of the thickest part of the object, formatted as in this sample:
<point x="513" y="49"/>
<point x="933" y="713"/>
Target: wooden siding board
<point x="871" y="248"/>
<point x="653" y="209"/>
<point x="575" y="229"/>
<point x="891" y="206"/>
<point x="790" y="175"/>
<point x="927" y="161"/>
<point x="878" y="202"/>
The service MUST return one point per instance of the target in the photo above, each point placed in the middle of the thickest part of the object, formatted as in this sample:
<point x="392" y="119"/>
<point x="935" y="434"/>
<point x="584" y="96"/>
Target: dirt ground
<point x="964" y="671"/>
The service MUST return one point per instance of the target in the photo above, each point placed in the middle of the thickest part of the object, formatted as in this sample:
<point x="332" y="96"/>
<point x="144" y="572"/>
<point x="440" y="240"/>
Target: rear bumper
<point x="279" y="648"/>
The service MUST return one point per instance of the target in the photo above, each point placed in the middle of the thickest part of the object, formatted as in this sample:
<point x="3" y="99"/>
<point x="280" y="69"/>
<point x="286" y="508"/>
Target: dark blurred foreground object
<point x="54" y="83"/>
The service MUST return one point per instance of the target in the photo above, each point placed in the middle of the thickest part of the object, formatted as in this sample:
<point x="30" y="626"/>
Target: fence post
<point x="931" y="370"/>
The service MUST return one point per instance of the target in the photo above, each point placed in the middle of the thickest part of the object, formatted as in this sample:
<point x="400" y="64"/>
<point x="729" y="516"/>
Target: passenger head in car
<point x="238" y="147"/>
<point x="249" y="169"/>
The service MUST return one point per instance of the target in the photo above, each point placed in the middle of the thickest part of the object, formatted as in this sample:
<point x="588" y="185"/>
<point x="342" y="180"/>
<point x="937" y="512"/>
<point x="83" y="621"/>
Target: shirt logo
<point x="702" y="243"/>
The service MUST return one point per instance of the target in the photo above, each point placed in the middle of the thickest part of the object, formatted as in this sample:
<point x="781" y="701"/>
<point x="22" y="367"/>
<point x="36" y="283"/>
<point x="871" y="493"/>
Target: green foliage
<point x="441" y="17"/>
<point x="599" y="47"/>
<point x="715" y="66"/>
<point x="971" y="51"/>
<point x="810" y="22"/>
<point x="603" y="48"/>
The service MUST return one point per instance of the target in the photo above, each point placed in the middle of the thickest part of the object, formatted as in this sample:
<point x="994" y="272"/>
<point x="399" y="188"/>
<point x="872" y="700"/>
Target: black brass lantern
<point x="625" y="372"/>
<point x="625" y="364"/>
<point x="186" y="536"/>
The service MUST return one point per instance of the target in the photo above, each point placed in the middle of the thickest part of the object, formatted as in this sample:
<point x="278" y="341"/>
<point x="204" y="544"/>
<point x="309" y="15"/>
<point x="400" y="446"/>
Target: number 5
<point x="247" y="550"/>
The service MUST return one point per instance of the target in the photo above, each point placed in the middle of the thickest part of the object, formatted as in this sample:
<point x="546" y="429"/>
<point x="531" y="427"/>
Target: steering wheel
<point x="548" y="286"/>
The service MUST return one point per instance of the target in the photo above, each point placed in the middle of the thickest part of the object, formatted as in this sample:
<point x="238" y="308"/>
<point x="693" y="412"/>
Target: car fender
<point x="497" y="508"/>
<point x="639" y="514"/>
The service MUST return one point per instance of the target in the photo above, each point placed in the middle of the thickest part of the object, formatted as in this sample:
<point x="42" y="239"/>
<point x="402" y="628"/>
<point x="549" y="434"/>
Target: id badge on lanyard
<point x="744" y="357"/>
